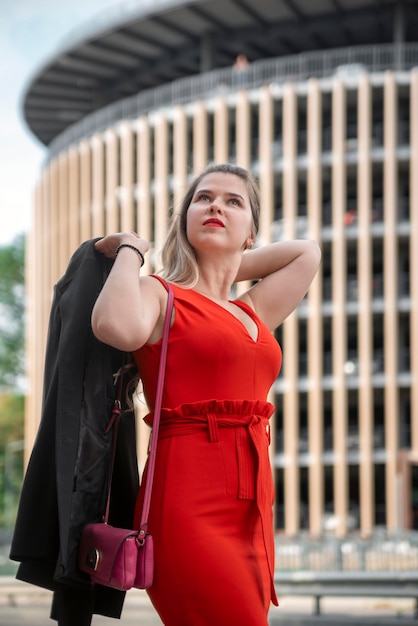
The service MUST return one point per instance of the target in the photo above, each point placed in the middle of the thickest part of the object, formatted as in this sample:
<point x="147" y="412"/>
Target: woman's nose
<point x="215" y="207"/>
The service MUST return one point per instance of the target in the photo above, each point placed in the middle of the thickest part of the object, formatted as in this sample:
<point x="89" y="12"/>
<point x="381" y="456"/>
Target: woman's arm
<point x="128" y="307"/>
<point x="286" y="270"/>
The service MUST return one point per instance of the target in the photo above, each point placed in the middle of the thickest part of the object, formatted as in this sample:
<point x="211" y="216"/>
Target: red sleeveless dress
<point x="211" y="506"/>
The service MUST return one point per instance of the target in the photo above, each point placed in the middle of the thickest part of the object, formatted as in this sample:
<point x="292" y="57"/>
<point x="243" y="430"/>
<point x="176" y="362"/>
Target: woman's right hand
<point x="108" y="244"/>
<point x="128" y="306"/>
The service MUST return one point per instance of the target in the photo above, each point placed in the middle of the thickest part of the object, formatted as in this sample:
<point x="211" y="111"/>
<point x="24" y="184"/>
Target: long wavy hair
<point x="177" y="255"/>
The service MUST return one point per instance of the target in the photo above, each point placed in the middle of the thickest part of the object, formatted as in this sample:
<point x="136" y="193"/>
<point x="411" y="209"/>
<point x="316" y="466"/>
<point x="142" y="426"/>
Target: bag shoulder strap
<point x="116" y="412"/>
<point x="157" y="413"/>
<point x="113" y="423"/>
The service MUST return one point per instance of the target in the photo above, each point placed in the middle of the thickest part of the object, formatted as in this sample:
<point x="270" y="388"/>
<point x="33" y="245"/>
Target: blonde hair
<point x="178" y="257"/>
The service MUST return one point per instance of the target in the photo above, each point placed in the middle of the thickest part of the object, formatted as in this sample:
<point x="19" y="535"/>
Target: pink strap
<point x="114" y="420"/>
<point x="157" y="412"/>
<point x="113" y="423"/>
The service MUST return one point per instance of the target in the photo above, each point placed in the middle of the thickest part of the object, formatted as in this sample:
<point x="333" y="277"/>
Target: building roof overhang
<point x="154" y="42"/>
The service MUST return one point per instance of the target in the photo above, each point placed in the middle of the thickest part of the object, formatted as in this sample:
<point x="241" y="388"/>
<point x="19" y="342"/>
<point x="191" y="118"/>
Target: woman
<point x="211" y="510"/>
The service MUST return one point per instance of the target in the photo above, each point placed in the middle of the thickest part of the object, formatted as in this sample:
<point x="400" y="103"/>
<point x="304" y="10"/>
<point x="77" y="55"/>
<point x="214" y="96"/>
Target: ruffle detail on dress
<point x="216" y="407"/>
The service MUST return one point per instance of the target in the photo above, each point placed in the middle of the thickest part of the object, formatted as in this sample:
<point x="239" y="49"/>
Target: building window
<point x="380" y="495"/>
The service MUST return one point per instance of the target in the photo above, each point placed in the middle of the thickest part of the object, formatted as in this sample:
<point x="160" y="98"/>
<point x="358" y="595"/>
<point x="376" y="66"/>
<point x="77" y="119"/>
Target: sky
<point x="30" y="32"/>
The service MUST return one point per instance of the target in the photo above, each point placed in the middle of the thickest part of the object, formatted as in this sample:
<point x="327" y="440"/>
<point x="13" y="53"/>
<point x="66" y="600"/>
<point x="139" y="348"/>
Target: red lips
<point x="212" y="221"/>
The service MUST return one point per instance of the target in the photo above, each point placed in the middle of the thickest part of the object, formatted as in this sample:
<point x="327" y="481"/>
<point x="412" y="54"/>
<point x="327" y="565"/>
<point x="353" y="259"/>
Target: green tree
<point x="12" y="314"/>
<point x="12" y="360"/>
<point x="11" y="455"/>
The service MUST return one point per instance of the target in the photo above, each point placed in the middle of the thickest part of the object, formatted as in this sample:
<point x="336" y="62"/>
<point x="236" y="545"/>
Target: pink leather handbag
<point x="117" y="557"/>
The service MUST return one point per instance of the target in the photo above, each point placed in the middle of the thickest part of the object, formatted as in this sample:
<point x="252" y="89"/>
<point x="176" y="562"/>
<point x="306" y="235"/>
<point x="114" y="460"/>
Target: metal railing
<point x="394" y="553"/>
<point x="347" y="62"/>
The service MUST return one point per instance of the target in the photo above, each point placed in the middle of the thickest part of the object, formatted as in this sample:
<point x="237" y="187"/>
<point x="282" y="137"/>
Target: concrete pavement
<point x="25" y="605"/>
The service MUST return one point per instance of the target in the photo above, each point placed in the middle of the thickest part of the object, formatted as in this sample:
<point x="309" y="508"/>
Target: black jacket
<point x="66" y="479"/>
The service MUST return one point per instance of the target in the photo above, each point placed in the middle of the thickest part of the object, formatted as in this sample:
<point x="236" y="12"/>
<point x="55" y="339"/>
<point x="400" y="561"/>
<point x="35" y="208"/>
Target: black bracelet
<point x="128" y="245"/>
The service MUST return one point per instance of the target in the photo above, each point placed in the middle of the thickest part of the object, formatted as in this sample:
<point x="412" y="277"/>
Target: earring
<point x="249" y="243"/>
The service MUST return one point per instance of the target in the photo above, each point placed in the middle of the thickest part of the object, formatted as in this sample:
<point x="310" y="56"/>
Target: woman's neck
<point x="216" y="277"/>
<point x="215" y="286"/>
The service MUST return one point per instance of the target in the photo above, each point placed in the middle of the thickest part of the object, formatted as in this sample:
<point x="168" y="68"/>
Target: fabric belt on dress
<point x="251" y="421"/>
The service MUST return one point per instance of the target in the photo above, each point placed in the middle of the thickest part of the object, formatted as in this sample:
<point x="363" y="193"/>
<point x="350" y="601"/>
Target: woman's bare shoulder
<point x="153" y="289"/>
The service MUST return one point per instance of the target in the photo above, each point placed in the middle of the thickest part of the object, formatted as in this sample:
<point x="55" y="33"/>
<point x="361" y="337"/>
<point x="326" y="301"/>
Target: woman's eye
<point x="235" y="201"/>
<point x="203" y="196"/>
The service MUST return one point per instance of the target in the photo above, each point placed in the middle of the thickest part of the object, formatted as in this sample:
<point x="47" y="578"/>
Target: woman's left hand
<point x="286" y="270"/>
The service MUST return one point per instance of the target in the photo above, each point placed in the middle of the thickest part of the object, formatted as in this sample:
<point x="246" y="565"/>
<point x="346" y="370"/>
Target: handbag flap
<point x="100" y="547"/>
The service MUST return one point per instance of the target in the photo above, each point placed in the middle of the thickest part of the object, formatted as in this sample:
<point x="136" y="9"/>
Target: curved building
<point x="326" y="115"/>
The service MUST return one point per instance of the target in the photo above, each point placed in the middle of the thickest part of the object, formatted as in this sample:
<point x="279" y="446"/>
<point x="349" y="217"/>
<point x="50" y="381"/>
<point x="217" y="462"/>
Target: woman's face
<point x="219" y="215"/>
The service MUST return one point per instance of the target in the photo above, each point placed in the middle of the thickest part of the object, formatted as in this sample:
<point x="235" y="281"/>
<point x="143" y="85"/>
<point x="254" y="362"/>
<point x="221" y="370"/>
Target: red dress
<point x="211" y="506"/>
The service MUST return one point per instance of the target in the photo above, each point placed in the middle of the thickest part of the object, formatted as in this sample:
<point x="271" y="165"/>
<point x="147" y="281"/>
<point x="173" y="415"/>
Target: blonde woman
<point x="211" y="509"/>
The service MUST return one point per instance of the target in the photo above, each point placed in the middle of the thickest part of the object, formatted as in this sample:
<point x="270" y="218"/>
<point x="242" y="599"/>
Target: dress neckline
<point x="241" y="305"/>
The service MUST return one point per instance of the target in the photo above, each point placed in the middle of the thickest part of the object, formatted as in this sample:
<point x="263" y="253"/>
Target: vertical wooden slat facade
<point x="143" y="149"/>
<point x="243" y="130"/>
<point x="63" y="225"/>
<point x="221" y="132"/>
<point x="180" y="156"/>
<point x="74" y="207"/>
<point x="243" y="146"/>
<point x="85" y="150"/>
<point x="266" y="177"/>
<point x="290" y="326"/>
<point x="390" y="286"/>
<point x="315" y="331"/>
<point x="111" y="182"/>
<point x="130" y="175"/>
<point x="98" y="191"/>
<point x="365" y="318"/>
<point x="200" y="137"/>
<point x="413" y="250"/>
<point x="54" y="242"/>
<point x="162" y="201"/>
<point x="339" y="297"/>
<point x="126" y="196"/>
